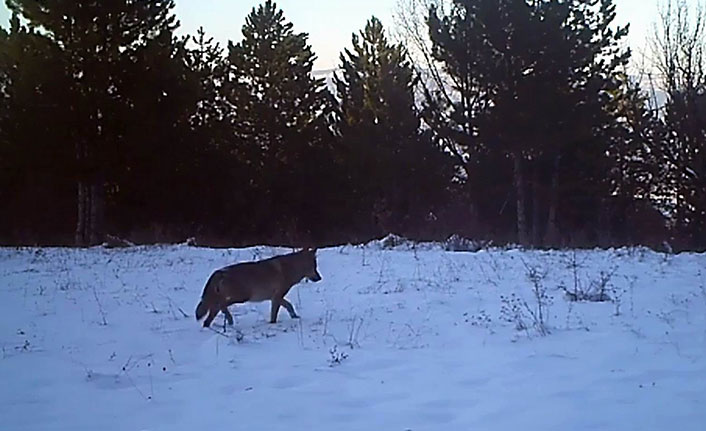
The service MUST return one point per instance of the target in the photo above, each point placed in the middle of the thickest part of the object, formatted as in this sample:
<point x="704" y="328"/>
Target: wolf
<point x="268" y="279"/>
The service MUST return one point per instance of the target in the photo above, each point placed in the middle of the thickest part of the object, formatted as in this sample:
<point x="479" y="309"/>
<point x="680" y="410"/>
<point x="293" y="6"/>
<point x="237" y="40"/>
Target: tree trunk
<point x="82" y="204"/>
<point x="83" y="195"/>
<point x="97" y="212"/>
<point x="520" y="194"/>
<point x="536" y="204"/>
<point x="90" y="214"/>
<point x="551" y="234"/>
<point x="90" y="200"/>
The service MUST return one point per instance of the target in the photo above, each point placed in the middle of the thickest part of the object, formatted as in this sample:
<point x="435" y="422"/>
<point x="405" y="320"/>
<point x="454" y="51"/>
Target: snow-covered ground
<point x="391" y="339"/>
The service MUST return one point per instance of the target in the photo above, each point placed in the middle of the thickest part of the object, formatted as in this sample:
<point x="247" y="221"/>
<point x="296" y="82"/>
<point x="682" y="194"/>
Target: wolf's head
<point x="309" y="260"/>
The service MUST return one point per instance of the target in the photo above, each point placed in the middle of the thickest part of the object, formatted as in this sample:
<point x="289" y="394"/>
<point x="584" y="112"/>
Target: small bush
<point x="336" y="357"/>
<point x="595" y="291"/>
<point x="524" y="316"/>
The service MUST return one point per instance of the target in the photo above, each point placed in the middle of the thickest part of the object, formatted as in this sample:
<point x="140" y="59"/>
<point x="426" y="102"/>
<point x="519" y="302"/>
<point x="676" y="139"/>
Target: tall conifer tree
<point x="280" y="118"/>
<point x="110" y="52"/>
<point x="532" y="88"/>
<point x="397" y="173"/>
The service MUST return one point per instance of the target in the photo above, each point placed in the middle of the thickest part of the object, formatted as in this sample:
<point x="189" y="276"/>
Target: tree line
<point x="512" y="121"/>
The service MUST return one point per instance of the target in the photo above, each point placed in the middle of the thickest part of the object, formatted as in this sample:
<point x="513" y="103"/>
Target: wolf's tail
<point x="201" y="310"/>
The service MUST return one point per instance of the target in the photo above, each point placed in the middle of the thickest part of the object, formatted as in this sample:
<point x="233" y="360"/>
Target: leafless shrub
<point x="594" y="290"/>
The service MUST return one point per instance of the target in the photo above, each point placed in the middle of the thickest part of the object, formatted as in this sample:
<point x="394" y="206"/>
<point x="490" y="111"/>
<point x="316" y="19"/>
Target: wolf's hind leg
<point x="275" y="309"/>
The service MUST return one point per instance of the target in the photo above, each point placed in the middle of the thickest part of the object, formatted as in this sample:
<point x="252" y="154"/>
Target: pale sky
<point x="330" y="23"/>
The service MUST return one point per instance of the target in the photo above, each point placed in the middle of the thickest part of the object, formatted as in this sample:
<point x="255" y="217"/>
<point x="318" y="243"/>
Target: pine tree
<point x="207" y="61"/>
<point x="397" y="174"/>
<point x="36" y="154"/>
<point x="280" y="117"/>
<point x="156" y="160"/>
<point x="530" y="81"/>
<point x="680" y="151"/>
<point x="107" y="50"/>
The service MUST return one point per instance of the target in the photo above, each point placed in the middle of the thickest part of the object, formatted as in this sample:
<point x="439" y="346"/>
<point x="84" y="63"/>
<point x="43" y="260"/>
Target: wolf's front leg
<point x="211" y="315"/>
<point x="290" y="308"/>
<point x="229" y="317"/>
